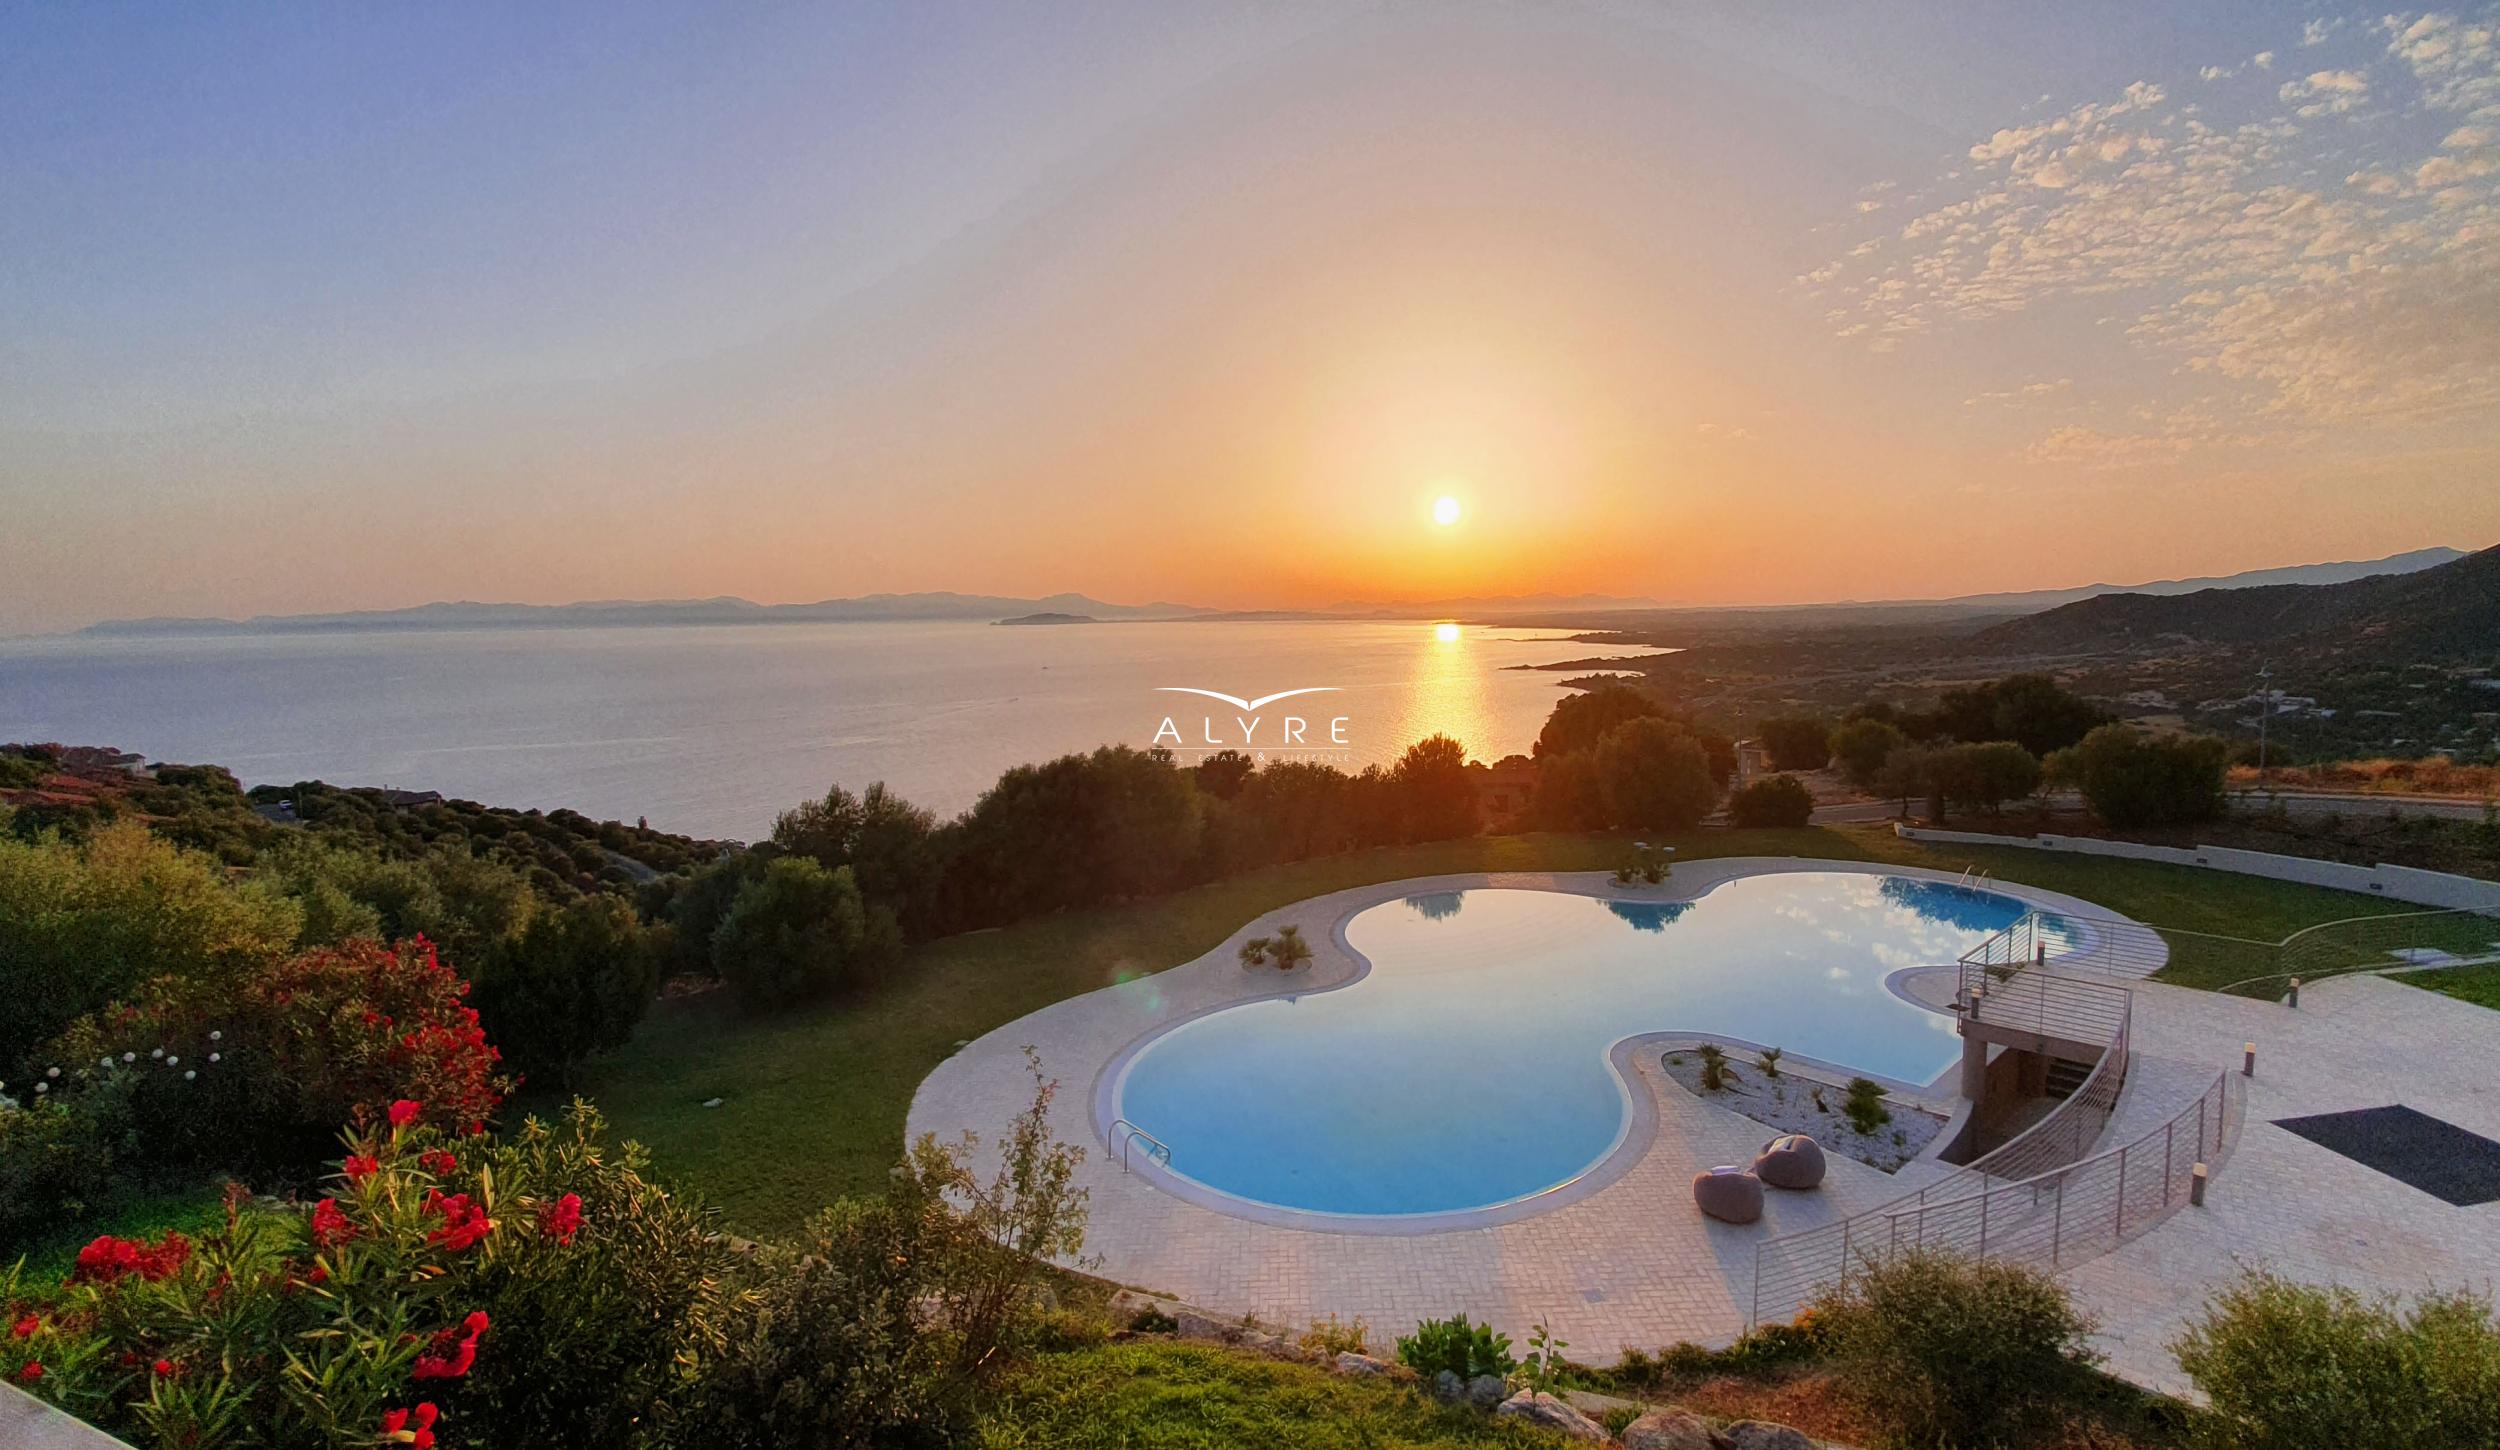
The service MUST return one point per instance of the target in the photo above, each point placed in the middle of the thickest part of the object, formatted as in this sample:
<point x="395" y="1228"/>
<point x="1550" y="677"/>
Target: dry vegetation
<point x="2430" y="775"/>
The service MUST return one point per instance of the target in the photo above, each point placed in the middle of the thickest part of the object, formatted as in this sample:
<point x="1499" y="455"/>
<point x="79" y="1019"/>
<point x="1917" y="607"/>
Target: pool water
<point x="1468" y="1067"/>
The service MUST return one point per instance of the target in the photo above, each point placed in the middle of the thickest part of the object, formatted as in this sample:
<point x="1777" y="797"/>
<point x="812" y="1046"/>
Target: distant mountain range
<point x="951" y="606"/>
<point x="2444" y="612"/>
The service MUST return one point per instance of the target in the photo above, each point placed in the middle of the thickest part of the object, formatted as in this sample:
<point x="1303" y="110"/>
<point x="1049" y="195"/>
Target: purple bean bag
<point x="1792" y="1161"/>
<point x="1728" y="1194"/>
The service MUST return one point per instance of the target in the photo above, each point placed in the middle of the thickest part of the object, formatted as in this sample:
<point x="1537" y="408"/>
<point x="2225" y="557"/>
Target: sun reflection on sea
<point x="1450" y="696"/>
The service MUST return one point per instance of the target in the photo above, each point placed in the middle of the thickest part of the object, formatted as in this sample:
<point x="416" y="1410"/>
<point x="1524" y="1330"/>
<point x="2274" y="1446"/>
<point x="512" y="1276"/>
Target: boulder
<point x="1668" y="1430"/>
<point x="1486" y="1390"/>
<point x="1258" y="1342"/>
<point x="1127" y="1304"/>
<point x="1192" y="1324"/>
<point x="1728" y="1194"/>
<point x="1549" y="1413"/>
<point x="1448" y="1386"/>
<point x="1362" y="1365"/>
<point x="1792" y="1160"/>
<point x="1763" y="1435"/>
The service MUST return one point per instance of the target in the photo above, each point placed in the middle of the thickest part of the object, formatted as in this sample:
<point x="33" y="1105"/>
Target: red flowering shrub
<point x="288" y="1327"/>
<point x="257" y="1075"/>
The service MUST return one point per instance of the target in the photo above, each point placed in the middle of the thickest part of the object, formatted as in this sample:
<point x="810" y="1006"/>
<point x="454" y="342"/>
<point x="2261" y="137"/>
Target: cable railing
<point x="2375" y="943"/>
<point x="2055" y="1219"/>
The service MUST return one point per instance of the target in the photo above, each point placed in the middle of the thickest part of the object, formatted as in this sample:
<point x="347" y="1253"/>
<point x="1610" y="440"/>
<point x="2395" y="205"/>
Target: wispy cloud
<point x="2289" y="288"/>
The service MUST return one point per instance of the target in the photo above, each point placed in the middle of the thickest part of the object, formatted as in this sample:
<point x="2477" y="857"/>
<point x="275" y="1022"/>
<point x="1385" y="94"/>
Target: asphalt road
<point x="2299" y="803"/>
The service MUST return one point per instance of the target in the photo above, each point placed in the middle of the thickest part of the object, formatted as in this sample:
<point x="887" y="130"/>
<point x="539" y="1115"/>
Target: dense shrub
<point x="1077" y="831"/>
<point x="1797" y="742"/>
<point x="1777" y="800"/>
<point x="799" y="931"/>
<point x="574" y="983"/>
<point x="1464" y="1349"/>
<point x="1954" y="1351"/>
<point x="81" y="925"/>
<point x="1579" y="721"/>
<point x="1435" y="800"/>
<point x="2289" y="1366"/>
<point x="883" y="838"/>
<point x="2033" y="711"/>
<point x="2133" y="779"/>
<point x="1653" y="776"/>
<point x="537" y="1292"/>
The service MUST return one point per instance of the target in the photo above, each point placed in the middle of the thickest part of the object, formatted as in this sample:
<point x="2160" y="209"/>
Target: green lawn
<point x="815" y="1099"/>
<point x="2478" y="985"/>
<point x="1148" y="1396"/>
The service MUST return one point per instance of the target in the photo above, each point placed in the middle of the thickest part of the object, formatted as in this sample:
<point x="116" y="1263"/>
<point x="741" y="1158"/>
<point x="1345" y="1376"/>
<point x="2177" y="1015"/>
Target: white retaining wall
<point x="2400" y="883"/>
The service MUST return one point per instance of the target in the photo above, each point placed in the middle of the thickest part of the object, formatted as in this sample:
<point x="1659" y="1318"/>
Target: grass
<point x="193" y="1210"/>
<point x="1154" y="1396"/>
<point x="814" y="1100"/>
<point x="2478" y="985"/>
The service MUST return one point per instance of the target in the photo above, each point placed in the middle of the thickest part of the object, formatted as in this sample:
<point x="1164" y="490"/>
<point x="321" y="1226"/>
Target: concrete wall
<point x="27" y="1423"/>
<point x="2398" y="883"/>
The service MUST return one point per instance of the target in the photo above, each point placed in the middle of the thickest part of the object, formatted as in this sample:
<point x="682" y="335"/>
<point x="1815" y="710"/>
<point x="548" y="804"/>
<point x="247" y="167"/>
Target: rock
<point x="1763" y="1435"/>
<point x="711" y="1102"/>
<point x="1362" y="1365"/>
<point x="1257" y="1342"/>
<point x="1190" y="1324"/>
<point x="1486" y="1390"/>
<point x="1549" y="1413"/>
<point x="1448" y="1386"/>
<point x="1127" y="1304"/>
<point x="1668" y="1430"/>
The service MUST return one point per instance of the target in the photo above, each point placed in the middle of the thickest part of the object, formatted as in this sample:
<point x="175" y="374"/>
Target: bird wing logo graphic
<point x="1242" y="703"/>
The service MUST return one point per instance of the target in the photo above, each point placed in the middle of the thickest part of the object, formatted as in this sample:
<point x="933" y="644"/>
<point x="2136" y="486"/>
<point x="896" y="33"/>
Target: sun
<point x="1446" y="632"/>
<point x="1445" y="510"/>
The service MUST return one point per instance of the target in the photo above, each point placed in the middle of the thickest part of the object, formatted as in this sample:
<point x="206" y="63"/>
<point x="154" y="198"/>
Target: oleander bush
<point x="1956" y="1351"/>
<point x="536" y="1291"/>
<point x="2286" y="1366"/>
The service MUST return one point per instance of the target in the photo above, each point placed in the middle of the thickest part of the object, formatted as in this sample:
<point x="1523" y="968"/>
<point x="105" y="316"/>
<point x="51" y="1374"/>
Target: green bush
<point x="532" y="1292"/>
<point x="1777" y="800"/>
<point x="1464" y="1349"/>
<point x="1651" y="775"/>
<point x="1862" y="746"/>
<point x="1800" y="742"/>
<point x="2288" y="1366"/>
<point x="2131" y="779"/>
<point x="799" y="931"/>
<point x="1954" y="1351"/>
<point x="1864" y="1107"/>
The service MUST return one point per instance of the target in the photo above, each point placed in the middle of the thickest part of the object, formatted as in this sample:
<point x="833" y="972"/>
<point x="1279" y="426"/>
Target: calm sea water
<point x="1468" y="1068"/>
<point x="711" y="730"/>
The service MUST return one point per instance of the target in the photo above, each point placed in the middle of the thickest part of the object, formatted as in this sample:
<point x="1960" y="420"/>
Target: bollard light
<point x="2248" y="1059"/>
<point x="2196" y="1186"/>
<point x="2295" y="997"/>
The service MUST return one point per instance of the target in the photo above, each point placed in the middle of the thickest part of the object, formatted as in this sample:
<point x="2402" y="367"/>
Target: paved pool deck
<point x="1628" y="1263"/>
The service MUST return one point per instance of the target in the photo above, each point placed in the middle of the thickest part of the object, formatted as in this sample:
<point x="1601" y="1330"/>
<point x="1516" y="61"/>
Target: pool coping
<point x="1690" y="882"/>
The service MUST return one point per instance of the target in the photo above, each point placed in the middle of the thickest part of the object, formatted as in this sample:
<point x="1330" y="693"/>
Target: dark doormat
<point x="2439" y="1158"/>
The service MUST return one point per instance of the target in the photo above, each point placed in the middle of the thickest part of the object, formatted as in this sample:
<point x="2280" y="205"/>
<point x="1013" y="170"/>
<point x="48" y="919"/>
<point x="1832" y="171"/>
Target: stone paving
<point x="1629" y="1263"/>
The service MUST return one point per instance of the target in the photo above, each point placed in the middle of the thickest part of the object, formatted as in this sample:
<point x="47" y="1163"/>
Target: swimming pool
<point x="1468" y="1067"/>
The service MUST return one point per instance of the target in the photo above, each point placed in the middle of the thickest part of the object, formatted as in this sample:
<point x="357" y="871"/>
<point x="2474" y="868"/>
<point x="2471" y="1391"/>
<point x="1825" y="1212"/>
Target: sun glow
<point x="1445" y="633"/>
<point x="1445" y="510"/>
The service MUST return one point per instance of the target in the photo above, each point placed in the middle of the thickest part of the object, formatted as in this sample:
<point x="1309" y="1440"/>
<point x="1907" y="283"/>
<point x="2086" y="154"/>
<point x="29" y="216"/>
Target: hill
<point x="612" y="613"/>
<point x="2441" y="613"/>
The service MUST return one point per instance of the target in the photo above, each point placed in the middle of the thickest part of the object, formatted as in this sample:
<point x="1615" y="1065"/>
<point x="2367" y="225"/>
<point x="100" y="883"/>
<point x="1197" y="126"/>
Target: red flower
<point x="163" y="1368"/>
<point x="32" y="1372"/>
<point x="26" y="1326"/>
<point x="447" y="1358"/>
<point x="330" y="1227"/>
<point x="395" y="1425"/>
<point x="464" y="1223"/>
<point x="359" y="1167"/>
<point x="405" y="1112"/>
<point x="441" y="1163"/>
<point x="107" y="1258"/>
<point x="561" y="1219"/>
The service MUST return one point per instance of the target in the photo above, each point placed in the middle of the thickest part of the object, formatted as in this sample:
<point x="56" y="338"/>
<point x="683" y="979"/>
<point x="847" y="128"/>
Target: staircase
<point x="2066" y="1077"/>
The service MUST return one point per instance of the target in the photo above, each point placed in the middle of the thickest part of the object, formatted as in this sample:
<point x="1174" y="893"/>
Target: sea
<point x="711" y="730"/>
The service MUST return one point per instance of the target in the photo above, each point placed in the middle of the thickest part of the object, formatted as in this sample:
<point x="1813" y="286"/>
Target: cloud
<point x="2326" y="92"/>
<point x="2317" y="31"/>
<point x="2283" y="300"/>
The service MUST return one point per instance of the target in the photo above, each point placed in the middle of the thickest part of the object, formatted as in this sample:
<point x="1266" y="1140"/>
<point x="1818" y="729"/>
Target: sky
<point x="309" y="307"/>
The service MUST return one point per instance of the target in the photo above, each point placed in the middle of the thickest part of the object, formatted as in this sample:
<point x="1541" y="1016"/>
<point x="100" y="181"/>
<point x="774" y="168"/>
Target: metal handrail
<point x="1157" y="1151"/>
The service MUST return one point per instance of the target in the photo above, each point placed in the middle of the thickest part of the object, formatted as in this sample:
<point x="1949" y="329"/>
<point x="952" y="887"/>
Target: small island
<point x="1049" y="618"/>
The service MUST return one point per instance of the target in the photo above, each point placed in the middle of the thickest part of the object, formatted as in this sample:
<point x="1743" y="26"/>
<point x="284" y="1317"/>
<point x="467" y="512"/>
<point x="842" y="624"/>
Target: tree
<point x="1290" y="811"/>
<point x="1862" y="745"/>
<point x="882" y="837"/>
<point x="1435" y="799"/>
<point x="1908" y="773"/>
<point x="2033" y="711"/>
<point x="800" y="931"/>
<point x="1567" y="794"/>
<point x="1579" y="721"/>
<point x="1797" y="742"/>
<point x="575" y="983"/>
<point x="1983" y="776"/>
<point x="1222" y="774"/>
<point x="1777" y="800"/>
<point x="1653" y="776"/>
<point x="2132" y="779"/>
<point x="1077" y="831"/>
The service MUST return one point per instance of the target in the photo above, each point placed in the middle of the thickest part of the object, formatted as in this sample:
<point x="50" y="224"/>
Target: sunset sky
<point x="310" y="307"/>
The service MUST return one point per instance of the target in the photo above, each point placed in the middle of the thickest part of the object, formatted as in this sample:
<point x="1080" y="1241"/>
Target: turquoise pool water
<point x="1468" y="1068"/>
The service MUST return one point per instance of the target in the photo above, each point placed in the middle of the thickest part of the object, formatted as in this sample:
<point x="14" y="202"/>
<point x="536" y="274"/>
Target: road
<point x="2299" y="803"/>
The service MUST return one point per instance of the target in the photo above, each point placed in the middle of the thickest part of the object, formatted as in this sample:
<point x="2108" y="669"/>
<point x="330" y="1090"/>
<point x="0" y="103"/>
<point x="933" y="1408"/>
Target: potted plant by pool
<point x="1285" y="950"/>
